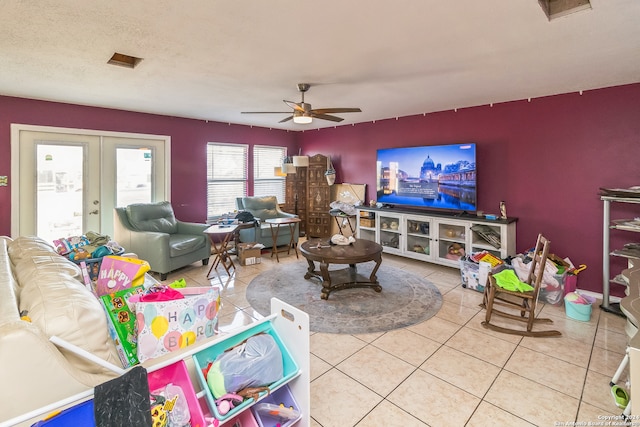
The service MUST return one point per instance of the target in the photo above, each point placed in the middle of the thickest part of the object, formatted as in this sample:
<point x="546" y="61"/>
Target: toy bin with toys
<point x="204" y="361"/>
<point x="278" y="408"/>
<point x="172" y="384"/>
<point x="475" y="269"/>
<point x="243" y="419"/>
<point x="78" y="415"/>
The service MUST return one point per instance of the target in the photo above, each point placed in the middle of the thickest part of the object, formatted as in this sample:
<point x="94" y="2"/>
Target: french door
<point x="66" y="182"/>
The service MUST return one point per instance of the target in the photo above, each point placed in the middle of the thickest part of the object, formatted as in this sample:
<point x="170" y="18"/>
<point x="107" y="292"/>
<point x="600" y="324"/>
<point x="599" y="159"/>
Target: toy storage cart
<point x="291" y="325"/>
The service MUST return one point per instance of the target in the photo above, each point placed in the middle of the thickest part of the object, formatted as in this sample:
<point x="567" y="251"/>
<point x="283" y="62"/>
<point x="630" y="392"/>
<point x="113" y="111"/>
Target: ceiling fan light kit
<point x="303" y="113"/>
<point x="301" y="118"/>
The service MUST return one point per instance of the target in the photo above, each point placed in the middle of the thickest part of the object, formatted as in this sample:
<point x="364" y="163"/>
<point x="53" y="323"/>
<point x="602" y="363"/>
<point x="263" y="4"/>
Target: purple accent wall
<point x="546" y="158"/>
<point x="188" y="145"/>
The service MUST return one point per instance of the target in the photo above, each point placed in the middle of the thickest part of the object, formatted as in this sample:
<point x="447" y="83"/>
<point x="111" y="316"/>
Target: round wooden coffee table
<point x="325" y="253"/>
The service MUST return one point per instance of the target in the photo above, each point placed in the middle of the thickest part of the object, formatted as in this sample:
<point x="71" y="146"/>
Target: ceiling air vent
<point x="558" y="8"/>
<point x="124" y="60"/>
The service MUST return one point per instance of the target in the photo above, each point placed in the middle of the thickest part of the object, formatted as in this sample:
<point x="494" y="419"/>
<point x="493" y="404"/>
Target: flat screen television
<point x="439" y="177"/>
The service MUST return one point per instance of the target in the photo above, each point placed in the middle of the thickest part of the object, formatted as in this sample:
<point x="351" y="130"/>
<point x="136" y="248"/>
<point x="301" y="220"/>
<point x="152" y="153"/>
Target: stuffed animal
<point x="455" y="251"/>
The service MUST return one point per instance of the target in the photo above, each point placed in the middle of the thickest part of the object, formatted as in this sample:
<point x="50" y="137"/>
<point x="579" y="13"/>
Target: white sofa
<point x="49" y="289"/>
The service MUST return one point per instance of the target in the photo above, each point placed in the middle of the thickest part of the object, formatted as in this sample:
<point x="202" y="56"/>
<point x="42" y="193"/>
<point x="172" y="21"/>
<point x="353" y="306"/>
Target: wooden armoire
<point x="308" y="191"/>
<point x="296" y="196"/>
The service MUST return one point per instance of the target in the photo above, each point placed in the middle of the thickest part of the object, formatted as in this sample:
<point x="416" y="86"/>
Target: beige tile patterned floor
<point x="448" y="370"/>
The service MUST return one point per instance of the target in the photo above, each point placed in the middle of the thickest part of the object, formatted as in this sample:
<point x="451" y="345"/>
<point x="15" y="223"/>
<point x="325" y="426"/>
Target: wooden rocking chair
<point x="525" y="302"/>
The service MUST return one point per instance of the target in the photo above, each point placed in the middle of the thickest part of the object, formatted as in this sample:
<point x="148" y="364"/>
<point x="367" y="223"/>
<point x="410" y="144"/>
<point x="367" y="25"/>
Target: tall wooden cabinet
<point x="318" y="198"/>
<point x="296" y="197"/>
<point x="308" y="195"/>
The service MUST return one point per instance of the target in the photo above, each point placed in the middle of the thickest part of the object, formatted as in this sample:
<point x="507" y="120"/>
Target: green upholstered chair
<point x="152" y="231"/>
<point x="263" y="208"/>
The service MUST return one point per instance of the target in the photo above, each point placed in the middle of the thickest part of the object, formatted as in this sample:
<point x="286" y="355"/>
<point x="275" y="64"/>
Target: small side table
<point x="341" y="217"/>
<point x="223" y="234"/>
<point x="274" y="224"/>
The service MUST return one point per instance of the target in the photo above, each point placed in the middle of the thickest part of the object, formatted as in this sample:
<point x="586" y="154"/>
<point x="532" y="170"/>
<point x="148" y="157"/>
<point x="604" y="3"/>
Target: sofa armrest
<point x="152" y="247"/>
<point x="283" y="214"/>
<point x="37" y="371"/>
<point x="191" y="227"/>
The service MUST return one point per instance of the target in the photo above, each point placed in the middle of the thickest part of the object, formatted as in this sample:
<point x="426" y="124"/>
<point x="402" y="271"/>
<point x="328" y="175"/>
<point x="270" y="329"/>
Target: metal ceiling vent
<point x="123" y="60"/>
<point x="558" y="8"/>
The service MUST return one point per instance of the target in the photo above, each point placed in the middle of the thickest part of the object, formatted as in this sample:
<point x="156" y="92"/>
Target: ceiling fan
<point x="303" y="113"/>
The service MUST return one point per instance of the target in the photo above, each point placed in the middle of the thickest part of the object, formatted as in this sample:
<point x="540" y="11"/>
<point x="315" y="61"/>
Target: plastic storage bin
<point x="177" y="374"/>
<point x="208" y="355"/>
<point x="552" y="293"/>
<point x="268" y="411"/>
<point x="578" y="311"/>
<point x="244" y="419"/>
<point x="474" y="275"/>
<point x="79" y="415"/>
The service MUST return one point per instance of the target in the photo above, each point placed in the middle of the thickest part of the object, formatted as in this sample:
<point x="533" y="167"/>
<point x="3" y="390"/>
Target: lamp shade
<point x="288" y="168"/>
<point x="300" y="161"/>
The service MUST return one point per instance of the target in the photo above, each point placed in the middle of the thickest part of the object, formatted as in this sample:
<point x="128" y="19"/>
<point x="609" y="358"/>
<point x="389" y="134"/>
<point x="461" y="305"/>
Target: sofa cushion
<point x="261" y="207"/>
<point x="27" y="246"/>
<point x="181" y="244"/>
<point x="59" y="304"/>
<point x="157" y="217"/>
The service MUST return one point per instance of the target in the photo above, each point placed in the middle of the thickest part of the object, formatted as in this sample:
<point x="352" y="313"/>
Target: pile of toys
<point x="557" y="272"/>
<point x="87" y="251"/>
<point x="88" y="246"/>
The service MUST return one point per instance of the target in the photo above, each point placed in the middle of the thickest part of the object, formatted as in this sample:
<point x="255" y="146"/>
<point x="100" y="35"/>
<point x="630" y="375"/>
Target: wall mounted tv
<point x="428" y="177"/>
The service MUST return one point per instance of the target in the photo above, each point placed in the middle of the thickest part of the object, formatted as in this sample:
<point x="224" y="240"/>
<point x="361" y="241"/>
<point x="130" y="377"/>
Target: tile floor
<point x="448" y="370"/>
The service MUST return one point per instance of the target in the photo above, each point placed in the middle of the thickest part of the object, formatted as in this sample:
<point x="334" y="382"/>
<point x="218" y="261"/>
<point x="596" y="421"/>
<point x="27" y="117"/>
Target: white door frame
<point x="15" y="161"/>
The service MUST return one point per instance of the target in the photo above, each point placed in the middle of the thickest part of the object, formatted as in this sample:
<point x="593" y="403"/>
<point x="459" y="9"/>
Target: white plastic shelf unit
<point x="432" y="237"/>
<point x="633" y="258"/>
<point x="291" y="325"/>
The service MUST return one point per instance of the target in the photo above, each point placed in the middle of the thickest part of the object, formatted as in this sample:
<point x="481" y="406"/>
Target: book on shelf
<point x="627" y="224"/>
<point x="631" y="192"/>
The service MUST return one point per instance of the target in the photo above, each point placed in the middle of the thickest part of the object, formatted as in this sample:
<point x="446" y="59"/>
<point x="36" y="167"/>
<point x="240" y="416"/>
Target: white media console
<point x="435" y="237"/>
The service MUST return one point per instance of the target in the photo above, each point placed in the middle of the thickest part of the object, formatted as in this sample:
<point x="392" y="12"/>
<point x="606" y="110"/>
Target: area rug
<point x="406" y="299"/>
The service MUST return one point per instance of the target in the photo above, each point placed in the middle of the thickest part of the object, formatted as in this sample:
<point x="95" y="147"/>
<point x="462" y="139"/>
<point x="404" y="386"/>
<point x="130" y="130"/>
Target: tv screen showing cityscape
<point x="433" y="177"/>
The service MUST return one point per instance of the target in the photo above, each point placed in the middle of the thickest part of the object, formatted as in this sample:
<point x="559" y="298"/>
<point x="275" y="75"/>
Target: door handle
<point x="94" y="212"/>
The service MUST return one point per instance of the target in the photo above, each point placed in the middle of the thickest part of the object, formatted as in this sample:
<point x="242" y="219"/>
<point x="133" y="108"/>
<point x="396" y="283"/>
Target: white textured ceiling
<point x="212" y="59"/>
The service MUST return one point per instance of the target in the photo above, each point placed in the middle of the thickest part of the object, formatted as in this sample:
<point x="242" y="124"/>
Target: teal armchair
<point x="265" y="208"/>
<point x="152" y="231"/>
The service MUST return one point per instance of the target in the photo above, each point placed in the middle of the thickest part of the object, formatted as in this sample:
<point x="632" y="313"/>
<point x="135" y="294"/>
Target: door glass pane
<point x="59" y="183"/>
<point x="133" y="172"/>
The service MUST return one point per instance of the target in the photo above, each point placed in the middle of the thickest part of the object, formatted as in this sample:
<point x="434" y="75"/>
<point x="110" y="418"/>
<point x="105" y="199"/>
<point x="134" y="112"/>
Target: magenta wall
<point x="188" y="145"/>
<point x="546" y="158"/>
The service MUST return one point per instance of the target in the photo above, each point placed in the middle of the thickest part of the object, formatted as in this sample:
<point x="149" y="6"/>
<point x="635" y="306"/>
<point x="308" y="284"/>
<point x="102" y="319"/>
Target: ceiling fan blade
<point x="294" y="105"/>
<point x="336" y="110"/>
<point x="326" y="117"/>
<point x="265" y="112"/>
<point x="286" y="119"/>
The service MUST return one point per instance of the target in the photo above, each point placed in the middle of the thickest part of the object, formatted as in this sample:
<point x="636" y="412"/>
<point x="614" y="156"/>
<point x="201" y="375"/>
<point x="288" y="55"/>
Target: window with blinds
<point x="226" y="177"/>
<point x="265" y="183"/>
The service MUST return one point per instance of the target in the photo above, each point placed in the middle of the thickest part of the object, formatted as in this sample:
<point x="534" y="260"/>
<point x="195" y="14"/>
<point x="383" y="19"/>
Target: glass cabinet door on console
<point x="452" y="241"/>
<point x="390" y="228"/>
<point x="419" y="237"/>
<point x="366" y="225"/>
